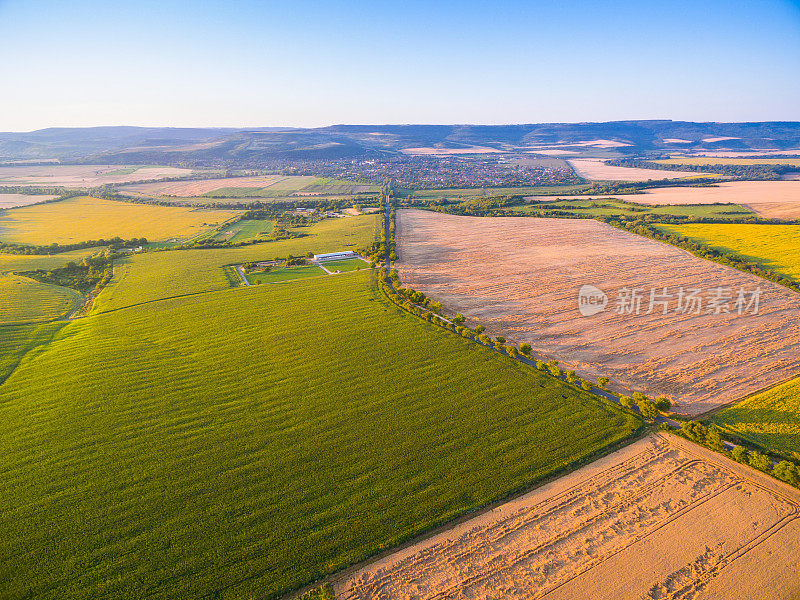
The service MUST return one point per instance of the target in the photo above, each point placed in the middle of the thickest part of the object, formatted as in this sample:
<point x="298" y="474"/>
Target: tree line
<point x="710" y="436"/>
<point x="724" y="257"/>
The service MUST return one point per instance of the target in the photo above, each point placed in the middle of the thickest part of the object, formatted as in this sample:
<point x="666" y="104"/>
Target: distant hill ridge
<point x="168" y="144"/>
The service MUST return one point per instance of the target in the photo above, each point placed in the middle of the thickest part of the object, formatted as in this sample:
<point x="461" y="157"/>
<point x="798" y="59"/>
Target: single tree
<point x="525" y="349"/>
<point x="648" y="410"/>
<point x="787" y="471"/>
<point x="602" y="382"/>
<point x="714" y="439"/>
<point x="760" y="461"/>
<point x="739" y="454"/>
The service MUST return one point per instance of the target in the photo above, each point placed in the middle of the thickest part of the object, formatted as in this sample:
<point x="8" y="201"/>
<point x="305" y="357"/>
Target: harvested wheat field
<point x="15" y="200"/>
<point x="82" y="176"/>
<point x="520" y="276"/>
<point x="81" y="219"/>
<point x="770" y="199"/>
<point x="660" y="519"/>
<point x="186" y="189"/>
<point x="596" y="169"/>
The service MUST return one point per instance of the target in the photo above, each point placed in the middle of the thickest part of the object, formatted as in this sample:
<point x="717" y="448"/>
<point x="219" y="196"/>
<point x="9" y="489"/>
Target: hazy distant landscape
<point x="321" y="409"/>
<point x="375" y="301"/>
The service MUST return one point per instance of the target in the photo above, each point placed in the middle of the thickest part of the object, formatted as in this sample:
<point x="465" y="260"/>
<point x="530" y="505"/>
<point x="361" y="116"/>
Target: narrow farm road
<point x="240" y="271"/>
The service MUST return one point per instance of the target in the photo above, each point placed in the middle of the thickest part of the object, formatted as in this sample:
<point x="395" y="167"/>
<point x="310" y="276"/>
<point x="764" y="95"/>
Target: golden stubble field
<point x="15" y="200"/>
<point x="82" y="176"/>
<point x="520" y="277"/>
<point x="660" y="519"/>
<point x="770" y="199"/>
<point x="187" y="189"/>
<point x="596" y="169"/>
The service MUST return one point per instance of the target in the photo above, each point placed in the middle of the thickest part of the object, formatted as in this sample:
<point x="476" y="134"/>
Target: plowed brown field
<point x="520" y="277"/>
<point x="660" y="519"/>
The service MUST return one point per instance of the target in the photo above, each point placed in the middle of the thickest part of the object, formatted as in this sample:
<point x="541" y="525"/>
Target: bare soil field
<point x="14" y="200"/>
<point x="520" y="277"/>
<point x="597" y="170"/>
<point x="183" y="189"/>
<point x="660" y="519"/>
<point x="81" y="176"/>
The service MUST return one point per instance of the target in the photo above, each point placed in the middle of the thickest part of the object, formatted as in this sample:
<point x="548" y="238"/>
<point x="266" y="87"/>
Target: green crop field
<point x="450" y="193"/>
<point x="743" y="161"/>
<point x="343" y="266"/>
<point x="246" y="229"/>
<point x="770" y="419"/>
<point x="17" y="341"/>
<point x="607" y="207"/>
<point x="242" y="442"/>
<point x="31" y="262"/>
<point x="154" y="275"/>
<point x="82" y="219"/>
<point x="23" y="300"/>
<point x="776" y="247"/>
<point x="287" y="274"/>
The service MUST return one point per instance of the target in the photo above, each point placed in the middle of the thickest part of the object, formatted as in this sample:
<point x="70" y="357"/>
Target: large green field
<point x="18" y="341"/>
<point x="452" y="193"/>
<point x="241" y="442"/>
<point x="24" y="300"/>
<point x="770" y="419"/>
<point x="246" y="229"/>
<point x="776" y="247"/>
<point x="343" y="266"/>
<point x="154" y="275"/>
<point x="285" y="274"/>
<point x="81" y="219"/>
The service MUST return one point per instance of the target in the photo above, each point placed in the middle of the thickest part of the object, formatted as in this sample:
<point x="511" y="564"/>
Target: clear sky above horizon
<point x="310" y="63"/>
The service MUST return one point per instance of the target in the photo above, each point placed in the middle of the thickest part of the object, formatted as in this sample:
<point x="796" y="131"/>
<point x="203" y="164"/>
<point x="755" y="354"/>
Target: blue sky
<point x="307" y="63"/>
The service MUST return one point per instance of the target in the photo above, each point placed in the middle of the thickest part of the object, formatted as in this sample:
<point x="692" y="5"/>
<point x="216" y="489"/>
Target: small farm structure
<point x="335" y="255"/>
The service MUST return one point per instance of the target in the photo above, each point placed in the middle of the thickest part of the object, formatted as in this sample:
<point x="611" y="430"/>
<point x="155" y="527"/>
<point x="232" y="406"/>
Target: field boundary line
<point x="33" y="345"/>
<point x="720" y="408"/>
<point x="557" y="474"/>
